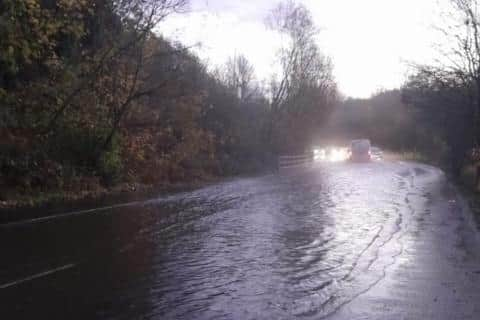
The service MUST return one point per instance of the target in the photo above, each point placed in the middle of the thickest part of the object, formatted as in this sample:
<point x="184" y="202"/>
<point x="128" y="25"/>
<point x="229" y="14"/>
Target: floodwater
<point x="304" y="243"/>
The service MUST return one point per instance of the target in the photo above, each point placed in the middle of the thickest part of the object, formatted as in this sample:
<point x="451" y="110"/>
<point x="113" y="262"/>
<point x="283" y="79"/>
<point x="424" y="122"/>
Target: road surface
<point x="382" y="240"/>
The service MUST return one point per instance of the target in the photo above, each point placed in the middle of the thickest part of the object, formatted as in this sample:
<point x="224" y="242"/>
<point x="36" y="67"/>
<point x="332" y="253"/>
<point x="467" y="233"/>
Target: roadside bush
<point x="76" y="146"/>
<point x="110" y="164"/>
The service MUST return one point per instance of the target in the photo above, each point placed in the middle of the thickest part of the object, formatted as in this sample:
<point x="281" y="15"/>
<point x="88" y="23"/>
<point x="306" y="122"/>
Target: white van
<point x="360" y="150"/>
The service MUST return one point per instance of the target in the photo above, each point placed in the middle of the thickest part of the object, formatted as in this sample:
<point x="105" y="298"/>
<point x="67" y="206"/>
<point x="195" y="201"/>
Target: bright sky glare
<point x="369" y="41"/>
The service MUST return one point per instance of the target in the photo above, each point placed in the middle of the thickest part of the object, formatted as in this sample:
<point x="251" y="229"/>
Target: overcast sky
<point x="369" y="41"/>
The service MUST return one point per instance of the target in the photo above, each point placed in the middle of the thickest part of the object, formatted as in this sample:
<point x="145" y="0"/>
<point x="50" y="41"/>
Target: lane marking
<point x="37" y="276"/>
<point x="88" y="211"/>
<point x="69" y="214"/>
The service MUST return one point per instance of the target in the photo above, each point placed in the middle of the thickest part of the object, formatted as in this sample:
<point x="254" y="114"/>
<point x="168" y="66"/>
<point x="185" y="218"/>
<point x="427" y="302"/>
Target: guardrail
<point x="292" y="161"/>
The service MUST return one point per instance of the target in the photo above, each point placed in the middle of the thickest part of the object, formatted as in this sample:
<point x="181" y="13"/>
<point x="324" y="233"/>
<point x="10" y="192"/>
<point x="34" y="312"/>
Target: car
<point x="360" y="150"/>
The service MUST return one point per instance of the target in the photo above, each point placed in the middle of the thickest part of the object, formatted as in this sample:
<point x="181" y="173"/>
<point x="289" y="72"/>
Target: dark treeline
<point x="91" y="97"/>
<point x="383" y="118"/>
<point x="391" y="122"/>
<point x="436" y="113"/>
<point x="447" y="95"/>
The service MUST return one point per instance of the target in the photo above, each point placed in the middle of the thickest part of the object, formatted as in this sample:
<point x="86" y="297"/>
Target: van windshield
<point x="360" y="146"/>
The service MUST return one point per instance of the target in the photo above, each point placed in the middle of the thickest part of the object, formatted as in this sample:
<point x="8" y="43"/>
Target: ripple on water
<point x="293" y="245"/>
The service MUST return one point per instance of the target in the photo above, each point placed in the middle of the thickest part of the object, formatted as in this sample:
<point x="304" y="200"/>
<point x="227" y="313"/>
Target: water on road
<point x="346" y="241"/>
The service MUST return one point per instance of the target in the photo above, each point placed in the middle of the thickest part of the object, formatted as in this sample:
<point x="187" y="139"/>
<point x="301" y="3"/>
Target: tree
<point x="122" y="51"/>
<point x="91" y="97"/>
<point x="448" y="92"/>
<point x="304" y="91"/>
<point x="70" y="72"/>
<point x="444" y="108"/>
<point x="464" y="56"/>
<point x="238" y="75"/>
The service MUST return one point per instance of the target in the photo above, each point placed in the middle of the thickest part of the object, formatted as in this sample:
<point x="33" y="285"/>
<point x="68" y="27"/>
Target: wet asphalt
<point x="378" y="240"/>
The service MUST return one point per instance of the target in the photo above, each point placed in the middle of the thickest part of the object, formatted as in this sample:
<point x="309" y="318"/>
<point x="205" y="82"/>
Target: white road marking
<point x="36" y="276"/>
<point x="87" y="211"/>
<point x="69" y="214"/>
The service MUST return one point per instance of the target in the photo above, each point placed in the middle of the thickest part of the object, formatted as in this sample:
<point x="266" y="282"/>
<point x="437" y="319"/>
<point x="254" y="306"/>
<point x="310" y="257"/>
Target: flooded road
<point x="339" y="241"/>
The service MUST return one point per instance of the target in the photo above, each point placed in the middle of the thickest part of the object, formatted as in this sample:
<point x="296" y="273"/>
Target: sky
<point x="371" y="42"/>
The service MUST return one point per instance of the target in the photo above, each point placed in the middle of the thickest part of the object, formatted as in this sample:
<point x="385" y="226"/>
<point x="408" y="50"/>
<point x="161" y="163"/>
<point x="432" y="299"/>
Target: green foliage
<point x="91" y="98"/>
<point x="76" y="146"/>
<point x="31" y="32"/>
<point x="110" y="165"/>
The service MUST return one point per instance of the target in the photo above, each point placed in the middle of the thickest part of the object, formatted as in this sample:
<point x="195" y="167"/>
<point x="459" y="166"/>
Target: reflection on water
<point x="297" y="244"/>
